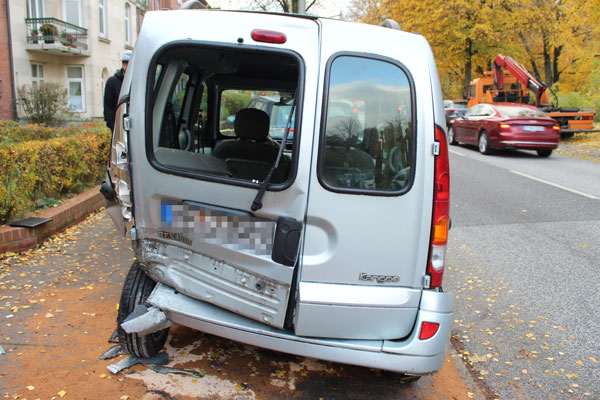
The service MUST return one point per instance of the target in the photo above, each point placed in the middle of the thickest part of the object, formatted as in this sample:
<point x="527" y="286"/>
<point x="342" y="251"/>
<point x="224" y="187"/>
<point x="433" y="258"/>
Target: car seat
<point x="251" y="154"/>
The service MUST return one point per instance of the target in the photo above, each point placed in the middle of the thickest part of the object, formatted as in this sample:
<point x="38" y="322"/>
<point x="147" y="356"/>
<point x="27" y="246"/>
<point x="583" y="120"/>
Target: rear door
<point x="369" y="212"/>
<point x="194" y="218"/>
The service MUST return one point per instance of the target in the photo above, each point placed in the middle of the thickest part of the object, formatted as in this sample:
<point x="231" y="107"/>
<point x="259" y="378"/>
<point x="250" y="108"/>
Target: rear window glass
<point x="521" y="112"/>
<point x="368" y="136"/>
<point x="221" y="113"/>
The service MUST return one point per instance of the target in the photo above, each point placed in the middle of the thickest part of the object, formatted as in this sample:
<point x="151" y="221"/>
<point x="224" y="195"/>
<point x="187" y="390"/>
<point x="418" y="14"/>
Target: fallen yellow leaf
<point x="62" y="393"/>
<point x="594" y="360"/>
<point x="579" y="362"/>
<point x="102" y="376"/>
<point x="124" y="397"/>
<point x="30" y="387"/>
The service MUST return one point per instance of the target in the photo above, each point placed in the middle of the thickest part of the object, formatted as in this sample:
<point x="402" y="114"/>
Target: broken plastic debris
<point x="114" y="337"/>
<point x="160" y="358"/>
<point x="112" y="352"/>
<point x="2" y="350"/>
<point x="171" y="370"/>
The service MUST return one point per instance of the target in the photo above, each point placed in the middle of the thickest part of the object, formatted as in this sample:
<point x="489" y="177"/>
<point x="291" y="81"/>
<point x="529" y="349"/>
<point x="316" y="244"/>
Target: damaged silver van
<point x="285" y="183"/>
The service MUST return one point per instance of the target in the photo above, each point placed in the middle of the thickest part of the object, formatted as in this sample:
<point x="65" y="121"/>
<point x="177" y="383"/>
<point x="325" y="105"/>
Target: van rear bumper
<point x="410" y="355"/>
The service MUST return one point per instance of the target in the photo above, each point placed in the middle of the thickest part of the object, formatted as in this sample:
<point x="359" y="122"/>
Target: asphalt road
<point x="523" y="262"/>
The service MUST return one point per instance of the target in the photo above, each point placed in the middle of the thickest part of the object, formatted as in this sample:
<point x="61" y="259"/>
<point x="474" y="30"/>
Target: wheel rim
<point x="483" y="143"/>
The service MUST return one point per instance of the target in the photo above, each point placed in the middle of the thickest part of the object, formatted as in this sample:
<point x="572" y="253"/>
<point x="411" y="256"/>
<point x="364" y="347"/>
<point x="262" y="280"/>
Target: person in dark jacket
<point x="112" y="90"/>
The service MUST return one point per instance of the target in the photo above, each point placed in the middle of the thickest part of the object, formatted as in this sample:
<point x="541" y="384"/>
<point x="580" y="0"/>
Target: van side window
<point x="368" y="139"/>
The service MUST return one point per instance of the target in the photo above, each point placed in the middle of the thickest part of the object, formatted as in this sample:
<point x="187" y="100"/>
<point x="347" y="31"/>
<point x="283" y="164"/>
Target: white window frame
<point x="80" y="80"/>
<point x="80" y="13"/>
<point x="127" y="23"/>
<point x="35" y="80"/>
<point x="102" y="22"/>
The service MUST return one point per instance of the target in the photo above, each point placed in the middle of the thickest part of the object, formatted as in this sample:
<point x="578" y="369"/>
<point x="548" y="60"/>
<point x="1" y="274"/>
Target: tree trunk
<point x="557" y="51"/>
<point x="468" y="66"/>
<point x="547" y="61"/>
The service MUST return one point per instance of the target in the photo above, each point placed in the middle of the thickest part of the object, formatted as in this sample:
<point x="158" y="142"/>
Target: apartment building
<point x="77" y="43"/>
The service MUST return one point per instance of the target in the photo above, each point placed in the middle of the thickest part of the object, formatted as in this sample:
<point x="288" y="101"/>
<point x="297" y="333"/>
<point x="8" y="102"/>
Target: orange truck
<point x="511" y="82"/>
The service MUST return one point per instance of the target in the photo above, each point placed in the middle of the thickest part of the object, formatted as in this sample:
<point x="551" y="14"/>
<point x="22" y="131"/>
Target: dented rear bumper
<point x="410" y="355"/>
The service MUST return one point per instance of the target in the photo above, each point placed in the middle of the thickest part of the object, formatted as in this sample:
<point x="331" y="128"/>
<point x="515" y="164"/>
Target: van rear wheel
<point x="136" y="290"/>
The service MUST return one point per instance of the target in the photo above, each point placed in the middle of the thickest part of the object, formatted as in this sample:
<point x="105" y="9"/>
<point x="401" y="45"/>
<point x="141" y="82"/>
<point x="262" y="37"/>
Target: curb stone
<point x="72" y="211"/>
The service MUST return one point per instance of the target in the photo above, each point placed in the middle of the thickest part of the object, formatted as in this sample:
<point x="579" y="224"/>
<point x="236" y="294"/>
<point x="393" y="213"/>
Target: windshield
<point x="521" y="112"/>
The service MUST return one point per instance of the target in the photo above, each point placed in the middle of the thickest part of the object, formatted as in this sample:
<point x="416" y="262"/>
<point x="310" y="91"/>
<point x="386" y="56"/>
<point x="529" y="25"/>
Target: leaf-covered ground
<point x="582" y="145"/>
<point x="58" y="306"/>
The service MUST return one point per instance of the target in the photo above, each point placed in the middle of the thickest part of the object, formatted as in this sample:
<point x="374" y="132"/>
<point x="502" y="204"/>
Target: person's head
<point x="125" y="60"/>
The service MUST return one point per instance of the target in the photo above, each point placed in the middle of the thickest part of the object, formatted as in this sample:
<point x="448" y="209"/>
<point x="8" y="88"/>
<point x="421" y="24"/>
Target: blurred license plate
<point x="530" y="128"/>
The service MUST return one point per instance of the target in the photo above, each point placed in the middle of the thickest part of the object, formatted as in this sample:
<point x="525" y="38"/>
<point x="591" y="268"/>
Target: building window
<point x="35" y="8"/>
<point x="72" y="12"/>
<point x="37" y="74"/>
<point x="102" y="17"/>
<point x="127" y="23"/>
<point x="139" y="20"/>
<point x="76" y="88"/>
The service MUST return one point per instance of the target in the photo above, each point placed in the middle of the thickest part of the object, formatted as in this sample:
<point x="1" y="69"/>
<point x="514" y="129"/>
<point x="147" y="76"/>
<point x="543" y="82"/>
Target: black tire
<point x="136" y="289"/>
<point x="484" y="144"/>
<point x="544" y="152"/>
<point x="451" y="139"/>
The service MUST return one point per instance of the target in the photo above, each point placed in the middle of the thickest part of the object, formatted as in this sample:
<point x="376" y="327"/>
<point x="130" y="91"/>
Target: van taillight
<point x="263" y="35"/>
<point x="441" y="211"/>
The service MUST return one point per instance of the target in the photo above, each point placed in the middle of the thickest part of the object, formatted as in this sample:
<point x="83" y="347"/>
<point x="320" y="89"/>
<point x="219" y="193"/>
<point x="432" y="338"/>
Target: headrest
<point x="251" y="123"/>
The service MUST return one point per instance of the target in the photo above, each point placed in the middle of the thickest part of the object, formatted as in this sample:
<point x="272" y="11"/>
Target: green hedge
<point x="73" y="160"/>
<point x="12" y="132"/>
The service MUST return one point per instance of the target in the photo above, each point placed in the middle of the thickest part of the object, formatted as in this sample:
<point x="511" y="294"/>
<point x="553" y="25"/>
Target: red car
<point x="506" y="126"/>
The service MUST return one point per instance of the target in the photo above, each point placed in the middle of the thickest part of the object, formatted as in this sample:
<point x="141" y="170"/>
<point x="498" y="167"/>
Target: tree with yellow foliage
<point x="555" y="39"/>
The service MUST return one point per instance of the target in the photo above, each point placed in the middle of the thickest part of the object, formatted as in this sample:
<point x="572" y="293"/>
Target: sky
<point x="326" y="8"/>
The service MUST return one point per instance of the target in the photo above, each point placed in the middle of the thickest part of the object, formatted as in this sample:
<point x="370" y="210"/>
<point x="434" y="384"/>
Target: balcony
<point x="53" y="36"/>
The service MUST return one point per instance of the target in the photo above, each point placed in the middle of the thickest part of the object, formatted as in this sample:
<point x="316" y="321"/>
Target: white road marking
<point x="589" y="196"/>
<point x="456" y="152"/>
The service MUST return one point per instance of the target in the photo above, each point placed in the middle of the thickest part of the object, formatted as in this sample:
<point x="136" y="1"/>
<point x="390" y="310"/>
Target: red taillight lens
<point x="428" y="330"/>
<point x="556" y="127"/>
<point x="441" y="212"/>
<point x="505" y="126"/>
<point x="263" y="35"/>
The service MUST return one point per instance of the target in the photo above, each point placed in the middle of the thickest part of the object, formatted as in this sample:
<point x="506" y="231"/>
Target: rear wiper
<point x="257" y="203"/>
